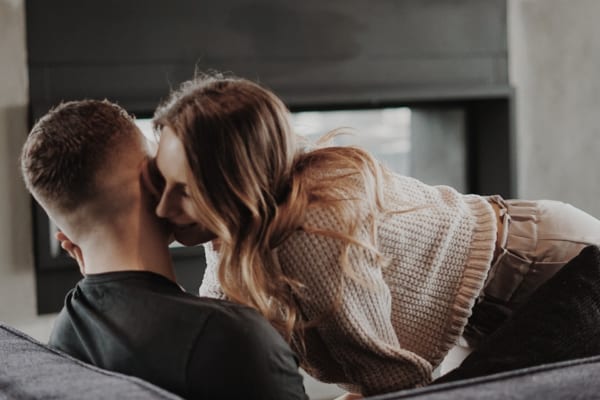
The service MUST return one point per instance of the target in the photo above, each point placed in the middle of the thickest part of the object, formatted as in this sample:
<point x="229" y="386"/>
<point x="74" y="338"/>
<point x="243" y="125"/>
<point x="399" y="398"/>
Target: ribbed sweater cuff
<point x="475" y="273"/>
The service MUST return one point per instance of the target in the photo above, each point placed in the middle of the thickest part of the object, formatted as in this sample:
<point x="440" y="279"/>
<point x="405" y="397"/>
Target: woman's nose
<point x="163" y="209"/>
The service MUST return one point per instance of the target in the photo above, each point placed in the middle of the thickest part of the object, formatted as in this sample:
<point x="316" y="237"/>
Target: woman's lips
<point x="183" y="226"/>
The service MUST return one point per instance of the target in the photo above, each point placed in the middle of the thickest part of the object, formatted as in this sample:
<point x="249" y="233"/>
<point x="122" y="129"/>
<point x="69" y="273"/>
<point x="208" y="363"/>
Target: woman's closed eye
<point x="185" y="192"/>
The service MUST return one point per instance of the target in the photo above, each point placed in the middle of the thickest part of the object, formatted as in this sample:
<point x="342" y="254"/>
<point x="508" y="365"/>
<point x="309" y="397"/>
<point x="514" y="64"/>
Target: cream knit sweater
<point x="395" y="323"/>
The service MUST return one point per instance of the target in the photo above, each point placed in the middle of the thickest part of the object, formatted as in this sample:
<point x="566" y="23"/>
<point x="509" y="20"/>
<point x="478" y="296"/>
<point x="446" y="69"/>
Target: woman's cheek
<point x="190" y="209"/>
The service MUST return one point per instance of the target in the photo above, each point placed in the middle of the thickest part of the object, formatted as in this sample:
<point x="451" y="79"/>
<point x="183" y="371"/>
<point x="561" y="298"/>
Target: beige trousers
<point x="539" y="238"/>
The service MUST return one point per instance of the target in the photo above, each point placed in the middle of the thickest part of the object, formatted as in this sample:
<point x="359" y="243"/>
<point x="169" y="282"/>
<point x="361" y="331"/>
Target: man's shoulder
<point x="64" y="337"/>
<point x="124" y="302"/>
<point x="238" y="344"/>
<point x="242" y="323"/>
<point x="171" y="333"/>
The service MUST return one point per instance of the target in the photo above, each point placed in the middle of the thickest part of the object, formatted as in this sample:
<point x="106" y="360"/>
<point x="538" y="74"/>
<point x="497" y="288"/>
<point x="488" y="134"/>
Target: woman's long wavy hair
<point x="255" y="181"/>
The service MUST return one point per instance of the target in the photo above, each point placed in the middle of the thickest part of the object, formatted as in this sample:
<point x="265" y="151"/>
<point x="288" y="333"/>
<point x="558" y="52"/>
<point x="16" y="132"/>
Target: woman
<point x="371" y="276"/>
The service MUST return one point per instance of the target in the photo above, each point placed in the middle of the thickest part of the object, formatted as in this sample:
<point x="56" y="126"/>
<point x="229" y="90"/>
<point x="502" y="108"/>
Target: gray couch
<point x="31" y="370"/>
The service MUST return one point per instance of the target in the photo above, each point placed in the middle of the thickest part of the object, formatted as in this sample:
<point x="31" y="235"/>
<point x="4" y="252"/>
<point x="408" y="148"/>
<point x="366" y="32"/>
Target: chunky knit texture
<point x="395" y="323"/>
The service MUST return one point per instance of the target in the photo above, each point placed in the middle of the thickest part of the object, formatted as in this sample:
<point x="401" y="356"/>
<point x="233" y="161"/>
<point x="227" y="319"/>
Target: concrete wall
<point x="17" y="283"/>
<point x="554" y="55"/>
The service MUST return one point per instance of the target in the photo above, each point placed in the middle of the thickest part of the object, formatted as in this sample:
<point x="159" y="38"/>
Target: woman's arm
<point x="358" y="337"/>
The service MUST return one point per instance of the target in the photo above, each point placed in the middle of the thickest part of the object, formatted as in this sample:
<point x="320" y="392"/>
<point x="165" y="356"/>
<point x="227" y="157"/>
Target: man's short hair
<point x="67" y="147"/>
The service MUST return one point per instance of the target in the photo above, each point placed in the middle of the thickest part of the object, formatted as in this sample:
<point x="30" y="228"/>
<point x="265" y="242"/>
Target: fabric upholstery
<point x="576" y="379"/>
<point x="31" y="370"/>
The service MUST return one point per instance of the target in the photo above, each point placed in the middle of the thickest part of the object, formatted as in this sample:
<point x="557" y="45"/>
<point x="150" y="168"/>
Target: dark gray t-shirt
<point x="142" y="324"/>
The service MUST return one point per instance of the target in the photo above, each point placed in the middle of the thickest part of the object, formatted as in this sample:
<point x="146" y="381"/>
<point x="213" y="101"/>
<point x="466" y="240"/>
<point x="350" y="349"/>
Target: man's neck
<point x="112" y="254"/>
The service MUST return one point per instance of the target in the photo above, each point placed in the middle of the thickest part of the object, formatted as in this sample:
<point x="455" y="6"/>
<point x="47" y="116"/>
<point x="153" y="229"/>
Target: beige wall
<point x="17" y="284"/>
<point x="554" y="52"/>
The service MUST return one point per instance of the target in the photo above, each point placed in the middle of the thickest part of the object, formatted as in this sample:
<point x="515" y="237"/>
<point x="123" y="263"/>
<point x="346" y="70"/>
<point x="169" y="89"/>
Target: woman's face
<point x="167" y="176"/>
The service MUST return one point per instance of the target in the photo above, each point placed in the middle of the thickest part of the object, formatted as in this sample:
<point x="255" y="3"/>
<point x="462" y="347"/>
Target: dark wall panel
<point x="266" y="30"/>
<point x="133" y="52"/>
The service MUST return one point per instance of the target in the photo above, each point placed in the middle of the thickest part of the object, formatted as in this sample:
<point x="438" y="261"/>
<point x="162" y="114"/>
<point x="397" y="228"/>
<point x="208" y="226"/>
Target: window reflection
<point x="386" y="133"/>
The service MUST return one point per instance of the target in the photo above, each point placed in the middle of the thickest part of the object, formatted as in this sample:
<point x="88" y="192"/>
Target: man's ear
<point x="72" y="249"/>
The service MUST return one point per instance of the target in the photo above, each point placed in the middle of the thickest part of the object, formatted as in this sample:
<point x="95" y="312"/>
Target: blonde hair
<point x="255" y="182"/>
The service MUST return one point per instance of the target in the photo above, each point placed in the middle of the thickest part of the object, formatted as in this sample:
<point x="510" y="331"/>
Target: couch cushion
<point x="31" y="370"/>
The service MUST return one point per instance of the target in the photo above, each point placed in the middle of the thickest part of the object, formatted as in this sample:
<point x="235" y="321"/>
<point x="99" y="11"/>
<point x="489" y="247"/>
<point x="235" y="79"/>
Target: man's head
<point x="82" y="163"/>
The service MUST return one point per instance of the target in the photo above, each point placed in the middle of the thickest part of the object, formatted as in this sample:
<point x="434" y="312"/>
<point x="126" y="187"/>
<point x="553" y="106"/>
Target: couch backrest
<point x="576" y="379"/>
<point x="32" y="370"/>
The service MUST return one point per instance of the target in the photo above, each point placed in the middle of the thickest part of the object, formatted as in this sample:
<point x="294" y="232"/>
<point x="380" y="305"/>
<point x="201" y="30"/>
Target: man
<point x="82" y="162"/>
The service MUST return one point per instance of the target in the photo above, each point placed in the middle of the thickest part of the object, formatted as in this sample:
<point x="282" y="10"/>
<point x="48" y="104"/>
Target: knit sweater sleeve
<point x="358" y="348"/>
<point x="210" y="286"/>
